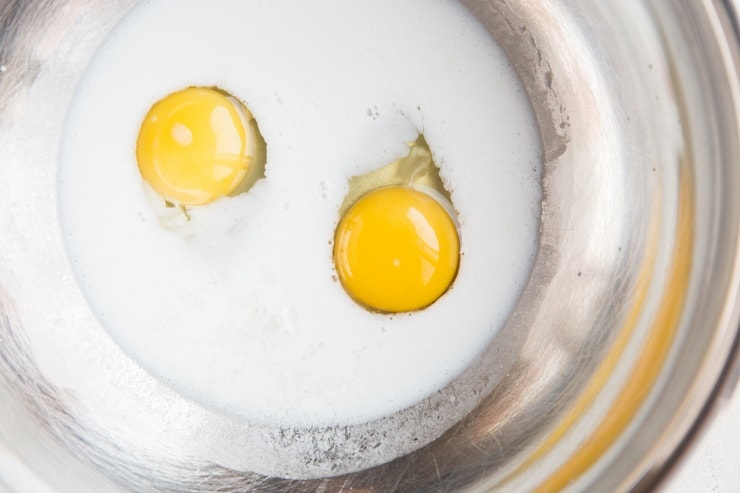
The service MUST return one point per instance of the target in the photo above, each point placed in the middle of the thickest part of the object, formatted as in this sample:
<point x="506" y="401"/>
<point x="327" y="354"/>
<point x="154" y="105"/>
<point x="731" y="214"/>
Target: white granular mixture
<point x="240" y="309"/>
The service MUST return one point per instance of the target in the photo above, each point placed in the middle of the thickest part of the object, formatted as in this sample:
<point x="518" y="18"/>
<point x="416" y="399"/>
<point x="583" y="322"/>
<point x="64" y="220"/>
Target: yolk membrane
<point x="195" y="146"/>
<point x="396" y="250"/>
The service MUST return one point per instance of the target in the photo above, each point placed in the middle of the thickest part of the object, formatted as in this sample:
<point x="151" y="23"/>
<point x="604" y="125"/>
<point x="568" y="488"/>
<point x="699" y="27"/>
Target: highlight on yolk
<point x="396" y="249"/>
<point x="196" y="145"/>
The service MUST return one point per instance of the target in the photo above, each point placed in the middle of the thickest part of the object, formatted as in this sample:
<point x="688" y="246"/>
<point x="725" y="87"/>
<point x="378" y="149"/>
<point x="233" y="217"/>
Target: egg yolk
<point x="396" y="250"/>
<point x="195" y="146"/>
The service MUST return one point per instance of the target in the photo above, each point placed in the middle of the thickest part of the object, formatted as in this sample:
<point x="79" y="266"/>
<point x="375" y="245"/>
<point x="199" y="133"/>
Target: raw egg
<point x="396" y="250"/>
<point x="397" y="244"/>
<point x="197" y="145"/>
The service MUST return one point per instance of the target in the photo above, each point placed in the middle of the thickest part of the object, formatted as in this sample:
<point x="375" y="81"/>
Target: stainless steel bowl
<point x="626" y="329"/>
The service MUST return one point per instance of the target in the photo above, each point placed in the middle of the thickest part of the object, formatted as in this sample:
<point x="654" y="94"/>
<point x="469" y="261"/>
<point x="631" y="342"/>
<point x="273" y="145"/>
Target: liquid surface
<point x="239" y="307"/>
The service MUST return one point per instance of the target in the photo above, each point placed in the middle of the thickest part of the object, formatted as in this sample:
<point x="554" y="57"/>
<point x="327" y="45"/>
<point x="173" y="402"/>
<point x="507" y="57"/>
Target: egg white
<point x="240" y="308"/>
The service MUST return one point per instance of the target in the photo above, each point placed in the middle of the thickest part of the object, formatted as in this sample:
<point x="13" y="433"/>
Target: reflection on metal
<point x="649" y="364"/>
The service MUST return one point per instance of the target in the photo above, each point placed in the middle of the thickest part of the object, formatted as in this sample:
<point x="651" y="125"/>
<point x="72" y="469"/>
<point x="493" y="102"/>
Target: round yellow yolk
<point x="195" y="146"/>
<point x="396" y="250"/>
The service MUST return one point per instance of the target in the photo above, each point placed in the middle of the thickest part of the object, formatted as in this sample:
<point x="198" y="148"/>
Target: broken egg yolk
<point x="396" y="249"/>
<point x="195" y="146"/>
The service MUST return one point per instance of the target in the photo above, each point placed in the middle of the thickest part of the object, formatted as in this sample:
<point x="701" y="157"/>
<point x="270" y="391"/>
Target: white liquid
<point x="240" y="310"/>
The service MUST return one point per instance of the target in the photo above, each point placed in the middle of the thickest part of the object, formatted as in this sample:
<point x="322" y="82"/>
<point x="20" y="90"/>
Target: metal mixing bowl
<point x="626" y="329"/>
